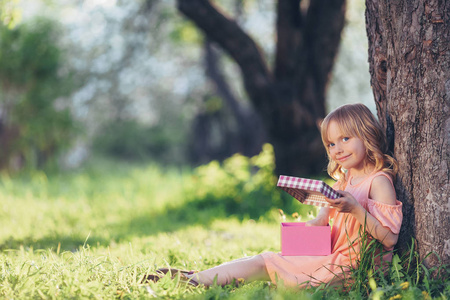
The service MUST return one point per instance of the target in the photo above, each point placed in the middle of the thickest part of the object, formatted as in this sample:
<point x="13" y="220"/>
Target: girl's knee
<point x="260" y="262"/>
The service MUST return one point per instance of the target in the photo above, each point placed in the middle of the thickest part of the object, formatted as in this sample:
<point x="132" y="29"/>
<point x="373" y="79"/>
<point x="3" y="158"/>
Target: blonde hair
<point x="356" y="120"/>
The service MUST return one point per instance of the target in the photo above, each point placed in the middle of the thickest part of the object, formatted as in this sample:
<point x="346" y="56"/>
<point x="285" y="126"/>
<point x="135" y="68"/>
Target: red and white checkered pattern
<point x="307" y="191"/>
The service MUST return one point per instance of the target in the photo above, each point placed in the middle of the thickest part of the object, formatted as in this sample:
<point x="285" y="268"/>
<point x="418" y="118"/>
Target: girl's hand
<point x="316" y="222"/>
<point x="346" y="204"/>
<point x="321" y="219"/>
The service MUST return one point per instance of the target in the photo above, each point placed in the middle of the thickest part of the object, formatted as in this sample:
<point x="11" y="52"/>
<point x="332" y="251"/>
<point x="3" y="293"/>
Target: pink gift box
<point x="298" y="239"/>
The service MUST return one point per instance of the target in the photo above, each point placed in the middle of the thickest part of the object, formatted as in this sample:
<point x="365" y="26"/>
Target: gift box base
<point x="300" y="240"/>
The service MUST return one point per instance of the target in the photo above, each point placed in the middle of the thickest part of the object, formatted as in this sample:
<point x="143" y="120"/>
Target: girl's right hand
<point x="346" y="204"/>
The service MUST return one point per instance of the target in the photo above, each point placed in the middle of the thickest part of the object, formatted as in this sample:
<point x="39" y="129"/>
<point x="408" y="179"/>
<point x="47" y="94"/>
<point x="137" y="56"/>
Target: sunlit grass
<point x="95" y="233"/>
<point x="103" y="204"/>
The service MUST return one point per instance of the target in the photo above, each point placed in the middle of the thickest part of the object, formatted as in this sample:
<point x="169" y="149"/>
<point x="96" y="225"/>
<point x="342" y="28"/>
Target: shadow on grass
<point x="145" y="224"/>
<point x="54" y="242"/>
<point x="171" y="220"/>
<point x="203" y="212"/>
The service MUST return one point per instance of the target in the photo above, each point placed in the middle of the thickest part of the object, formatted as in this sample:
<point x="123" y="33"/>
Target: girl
<point x="356" y="150"/>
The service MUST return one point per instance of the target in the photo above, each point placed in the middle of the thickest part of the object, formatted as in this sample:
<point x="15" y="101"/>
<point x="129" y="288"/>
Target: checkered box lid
<point x="307" y="191"/>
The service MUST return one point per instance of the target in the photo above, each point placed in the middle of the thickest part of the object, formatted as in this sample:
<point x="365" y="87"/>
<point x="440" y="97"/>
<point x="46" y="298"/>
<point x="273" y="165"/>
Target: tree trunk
<point x="250" y="135"/>
<point x="409" y="56"/>
<point x="291" y="98"/>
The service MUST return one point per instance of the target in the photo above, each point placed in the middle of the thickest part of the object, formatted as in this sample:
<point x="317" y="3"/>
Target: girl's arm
<point x="321" y="219"/>
<point x="382" y="191"/>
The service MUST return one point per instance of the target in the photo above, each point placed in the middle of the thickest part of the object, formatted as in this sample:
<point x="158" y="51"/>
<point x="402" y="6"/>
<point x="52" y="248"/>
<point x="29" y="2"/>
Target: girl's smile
<point x="341" y="159"/>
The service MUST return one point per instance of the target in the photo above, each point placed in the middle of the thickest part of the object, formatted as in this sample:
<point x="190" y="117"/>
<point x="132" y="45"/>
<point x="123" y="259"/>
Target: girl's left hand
<point x="346" y="204"/>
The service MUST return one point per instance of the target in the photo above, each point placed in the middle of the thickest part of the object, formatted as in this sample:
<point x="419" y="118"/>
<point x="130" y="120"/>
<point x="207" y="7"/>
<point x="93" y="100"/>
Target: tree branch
<point x="251" y="134"/>
<point x="289" y="38"/>
<point x="222" y="87"/>
<point x="321" y="31"/>
<point x="323" y="26"/>
<point x="324" y="23"/>
<point x="230" y="36"/>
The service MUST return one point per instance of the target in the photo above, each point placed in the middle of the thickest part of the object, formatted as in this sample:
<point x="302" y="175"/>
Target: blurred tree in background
<point x="146" y="84"/>
<point x="35" y="123"/>
<point x="290" y="96"/>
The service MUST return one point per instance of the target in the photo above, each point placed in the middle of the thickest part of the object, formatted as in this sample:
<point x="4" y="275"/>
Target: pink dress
<point x="314" y="270"/>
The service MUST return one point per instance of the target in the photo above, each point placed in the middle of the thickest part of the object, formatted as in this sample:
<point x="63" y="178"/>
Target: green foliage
<point x="31" y="79"/>
<point x="10" y="14"/>
<point x="185" y="32"/>
<point x="240" y="186"/>
<point x="29" y="52"/>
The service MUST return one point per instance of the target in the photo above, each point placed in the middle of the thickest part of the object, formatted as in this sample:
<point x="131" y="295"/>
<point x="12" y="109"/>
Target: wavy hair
<point x="356" y="120"/>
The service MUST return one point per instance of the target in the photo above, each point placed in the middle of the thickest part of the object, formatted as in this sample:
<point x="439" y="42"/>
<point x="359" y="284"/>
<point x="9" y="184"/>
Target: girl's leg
<point x="248" y="268"/>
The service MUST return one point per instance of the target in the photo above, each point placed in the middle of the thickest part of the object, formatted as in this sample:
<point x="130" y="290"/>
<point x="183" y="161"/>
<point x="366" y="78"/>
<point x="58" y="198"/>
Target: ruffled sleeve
<point x="390" y="216"/>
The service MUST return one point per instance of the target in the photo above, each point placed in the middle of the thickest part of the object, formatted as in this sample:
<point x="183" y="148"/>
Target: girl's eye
<point x="331" y="145"/>
<point x="345" y="139"/>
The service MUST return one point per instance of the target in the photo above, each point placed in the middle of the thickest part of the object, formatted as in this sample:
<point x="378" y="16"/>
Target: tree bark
<point x="291" y="98"/>
<point x="409" y="56"/>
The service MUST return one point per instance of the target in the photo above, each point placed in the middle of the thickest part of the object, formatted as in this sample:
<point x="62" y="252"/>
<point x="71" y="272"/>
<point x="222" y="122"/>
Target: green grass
<point x="96" y="232"/>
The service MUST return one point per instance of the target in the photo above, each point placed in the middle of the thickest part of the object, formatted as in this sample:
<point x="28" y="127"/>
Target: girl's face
<point x="347" y="151"/>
